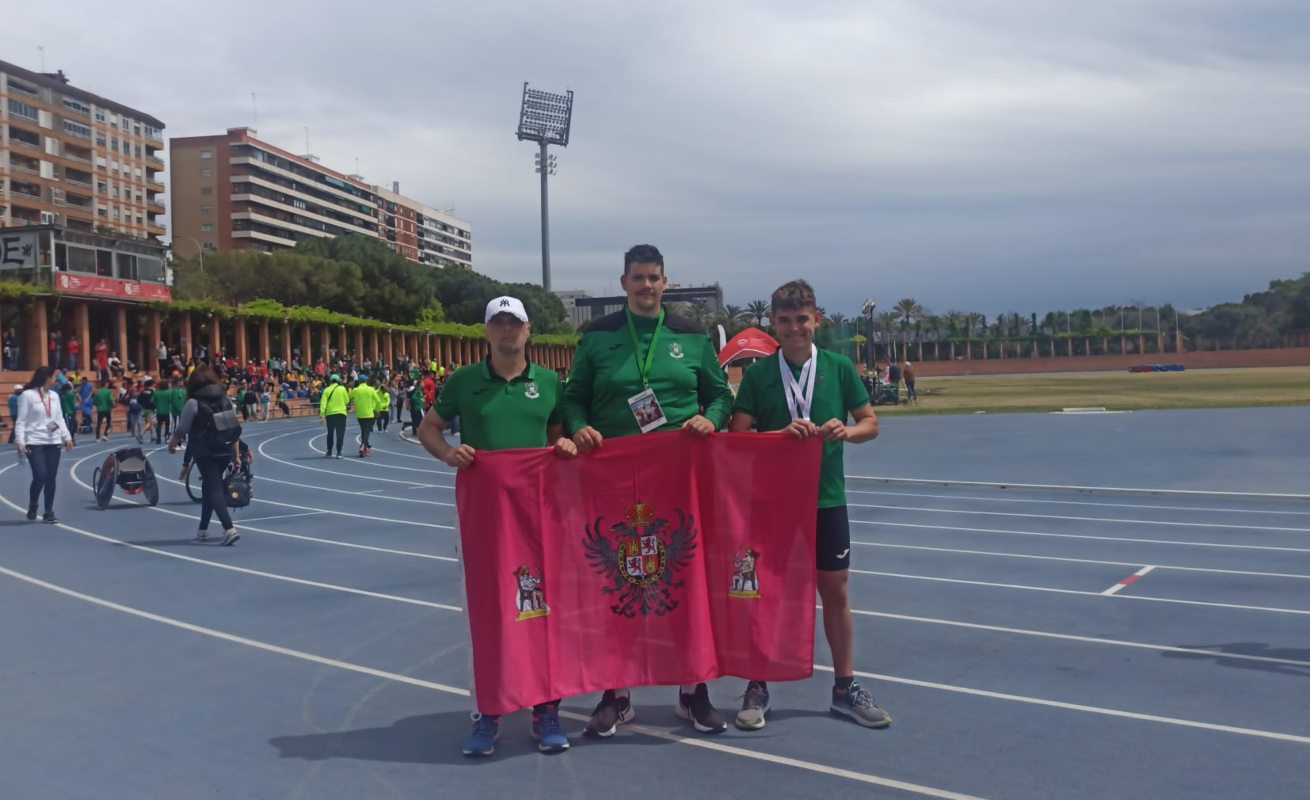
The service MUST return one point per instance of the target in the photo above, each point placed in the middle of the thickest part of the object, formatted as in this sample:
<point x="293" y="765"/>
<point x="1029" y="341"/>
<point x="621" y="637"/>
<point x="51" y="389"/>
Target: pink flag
<point x="659" y="559"/>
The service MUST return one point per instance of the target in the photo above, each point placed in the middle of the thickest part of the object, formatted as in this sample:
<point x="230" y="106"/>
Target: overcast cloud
<point x="975" y="155"/>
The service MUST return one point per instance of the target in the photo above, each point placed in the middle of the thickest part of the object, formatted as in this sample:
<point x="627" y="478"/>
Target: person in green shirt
<point x="163" y="398"/>
<point x="506" y="402"/>
<point x="103" y="401"/>
<point x="332" y="412"/>
<point x="68" y="405"/>
<point x="384" y="393"/>
<point x="365" y="401"/>
<point x="639" y="370"/>
<point x="805" y="392"/>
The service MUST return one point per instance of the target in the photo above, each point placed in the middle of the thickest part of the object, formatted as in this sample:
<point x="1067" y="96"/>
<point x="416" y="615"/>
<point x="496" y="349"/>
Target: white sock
<point x="622" y="693"/>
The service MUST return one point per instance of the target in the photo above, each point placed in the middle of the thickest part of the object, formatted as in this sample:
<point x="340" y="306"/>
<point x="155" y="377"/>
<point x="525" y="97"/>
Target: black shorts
<point x="832" y="540"/>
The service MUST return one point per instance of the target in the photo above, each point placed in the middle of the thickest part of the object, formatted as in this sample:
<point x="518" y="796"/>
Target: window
<point x="206" y="153"/>
<point x="137" y="150"/>
<point x="206" y="190"/>
<point x="101" y="141"/>
<point x="75" y="105"/>
<point x="20" y="109"/>
<point x="136" y="130"/>
<point x="152" y="132"/>
<point x="81" y="259"/>
<point x="113" y="145"/>
<point x="208" y="227"/>
<point x="113" y="192"/>
<point x="127" y="126"/>
<point x="206" y="210"/>
<point x="206" y="173"/>
<point x="100" y="115"/>
<point x="209" y="246"/>
<point x="115" y="213"/>
<point x="77" y="129"/>
<point x="102" y="187"/>
<point x="140" y="198"/>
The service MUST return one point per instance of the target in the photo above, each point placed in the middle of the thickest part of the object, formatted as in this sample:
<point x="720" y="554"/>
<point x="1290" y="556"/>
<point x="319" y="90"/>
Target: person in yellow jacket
<point x="365" y="400"/>
<point x="332" y="411"/>
<point x="384" y="405"/>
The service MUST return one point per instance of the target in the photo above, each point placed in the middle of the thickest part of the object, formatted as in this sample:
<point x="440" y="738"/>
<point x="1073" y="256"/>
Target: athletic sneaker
<point x="202" y="536"/>
<point x="338" y="455"/>
<point x="361" y="452"/>
<point x="481" y="740"/>
<point x="697" y="709"/>
<point x="857" y="703"/>
<point x="548" y="733"/>
<point x="610" y="713"/>
<point x="31" y="512"/>
<point x="230" y="537"/>
<point x="328" y="454"/>
<point x="754" y="705"/>
<point x="49" y="518"/>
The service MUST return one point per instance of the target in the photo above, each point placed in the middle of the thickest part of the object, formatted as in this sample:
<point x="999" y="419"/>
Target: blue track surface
<point x="323" y="655"/>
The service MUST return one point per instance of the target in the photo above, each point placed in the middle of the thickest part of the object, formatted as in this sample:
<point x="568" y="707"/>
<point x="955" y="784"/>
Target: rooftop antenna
<point x="307" y="150"/>
<point x="254" y="111"/>
<point x="40" y="49"/>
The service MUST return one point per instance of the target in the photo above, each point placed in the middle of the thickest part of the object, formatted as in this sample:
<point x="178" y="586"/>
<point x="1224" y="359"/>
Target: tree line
<point x="360" y="276"/>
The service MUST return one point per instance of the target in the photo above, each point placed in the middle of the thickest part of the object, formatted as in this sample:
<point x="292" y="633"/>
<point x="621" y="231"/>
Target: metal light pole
<point x="545" y="118"/>
<point x="200" y="252"/>
<point x="869" y="306"/>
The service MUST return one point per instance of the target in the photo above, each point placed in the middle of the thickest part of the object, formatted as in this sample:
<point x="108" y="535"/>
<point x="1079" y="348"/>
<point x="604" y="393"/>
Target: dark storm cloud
<point x="993" y="156"/>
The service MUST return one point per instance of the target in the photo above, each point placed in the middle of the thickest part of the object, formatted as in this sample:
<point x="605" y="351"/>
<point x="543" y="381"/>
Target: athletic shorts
<point x="832" y="540"/>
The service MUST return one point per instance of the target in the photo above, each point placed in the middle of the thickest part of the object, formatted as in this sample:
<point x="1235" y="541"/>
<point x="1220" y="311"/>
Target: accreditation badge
<point x="646" y="410"/>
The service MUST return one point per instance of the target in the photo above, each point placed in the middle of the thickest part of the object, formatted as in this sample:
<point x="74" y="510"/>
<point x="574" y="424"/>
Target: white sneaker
<point x="202" y="536"/>
<point x="230" y="537"/>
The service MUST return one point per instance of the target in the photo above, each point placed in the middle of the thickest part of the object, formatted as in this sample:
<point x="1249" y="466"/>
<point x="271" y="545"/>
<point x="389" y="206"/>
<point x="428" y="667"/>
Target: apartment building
<point x="234" y="191"/>
<point x="72" y="158"/>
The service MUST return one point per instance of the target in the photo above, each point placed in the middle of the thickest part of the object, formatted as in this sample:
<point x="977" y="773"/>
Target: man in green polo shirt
<point x="804" y="392"/>
<point x="505" y="402"/>
<point x="365" y="400"/>
<point x="638" y="370"/>
<point x="332" y="413"/>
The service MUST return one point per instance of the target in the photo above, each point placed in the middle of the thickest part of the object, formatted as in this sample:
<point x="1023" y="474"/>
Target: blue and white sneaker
<point x="548" y="733"/>
<point x="754" y="705"/>
<point x="858" y="704"/>
<point x="481" y="740"/>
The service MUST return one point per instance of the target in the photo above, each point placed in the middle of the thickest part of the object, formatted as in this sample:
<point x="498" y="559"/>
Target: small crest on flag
<point x="639" y="557"/>
<point x="745" y="574"/>
<point x="531" y="598"/>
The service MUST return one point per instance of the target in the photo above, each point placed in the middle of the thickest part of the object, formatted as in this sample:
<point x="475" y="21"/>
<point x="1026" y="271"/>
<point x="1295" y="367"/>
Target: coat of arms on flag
<point x="639" y="557"/>
<point x="745" y="574"/>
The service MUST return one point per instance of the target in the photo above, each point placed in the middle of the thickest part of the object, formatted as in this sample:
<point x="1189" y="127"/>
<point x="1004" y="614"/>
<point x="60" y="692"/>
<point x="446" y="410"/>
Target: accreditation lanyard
<point x="45" y="400"/>
<point x="643" y="365"/>
<point x="800" y="393"/>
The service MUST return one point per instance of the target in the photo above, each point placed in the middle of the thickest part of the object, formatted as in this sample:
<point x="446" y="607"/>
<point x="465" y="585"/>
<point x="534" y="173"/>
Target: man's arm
<point x="865" y="428"/>
<point x="576" y="402"/>
<point x="712" y="388"/>
<point x="432" y="435"/>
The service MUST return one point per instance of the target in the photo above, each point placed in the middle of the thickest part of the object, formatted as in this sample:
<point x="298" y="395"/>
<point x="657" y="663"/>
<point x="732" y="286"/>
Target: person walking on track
<point x="209" y="423"/>
<point x="365" y="401"/>
<point x="332" y="412"/>
<point x="39" y="432"/>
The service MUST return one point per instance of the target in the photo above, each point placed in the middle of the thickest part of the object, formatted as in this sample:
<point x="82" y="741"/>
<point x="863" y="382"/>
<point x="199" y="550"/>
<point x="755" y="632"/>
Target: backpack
<point x="216" y="428"/>
<point x="238" y="490"/>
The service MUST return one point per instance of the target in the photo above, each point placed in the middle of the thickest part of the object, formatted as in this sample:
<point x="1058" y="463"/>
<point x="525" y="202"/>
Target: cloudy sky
<point x="987" y="155"/>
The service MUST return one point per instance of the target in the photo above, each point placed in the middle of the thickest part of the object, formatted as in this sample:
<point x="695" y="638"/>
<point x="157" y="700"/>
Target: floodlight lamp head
<point x="870" y="305"/>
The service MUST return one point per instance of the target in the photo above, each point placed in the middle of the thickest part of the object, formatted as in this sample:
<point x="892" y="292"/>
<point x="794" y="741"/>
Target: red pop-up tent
<point x="750" y="343"/>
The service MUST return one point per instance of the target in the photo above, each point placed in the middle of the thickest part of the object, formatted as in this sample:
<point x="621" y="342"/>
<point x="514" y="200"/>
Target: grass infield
<point x="1116" y="391"/>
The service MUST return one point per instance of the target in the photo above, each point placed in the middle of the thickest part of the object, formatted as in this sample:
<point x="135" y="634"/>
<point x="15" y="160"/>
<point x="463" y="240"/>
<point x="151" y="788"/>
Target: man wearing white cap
<point x="505" y="402"/>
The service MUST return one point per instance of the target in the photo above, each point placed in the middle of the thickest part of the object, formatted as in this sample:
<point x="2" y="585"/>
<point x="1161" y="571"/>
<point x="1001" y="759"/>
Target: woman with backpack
<point x="209" y="422"/>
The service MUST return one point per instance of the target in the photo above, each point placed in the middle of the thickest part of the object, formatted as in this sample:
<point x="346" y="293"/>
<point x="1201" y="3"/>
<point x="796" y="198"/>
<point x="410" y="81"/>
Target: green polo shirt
<point x="685" y="375"/>
<point x="499" y="414"/>
<point x="838" y="391"/>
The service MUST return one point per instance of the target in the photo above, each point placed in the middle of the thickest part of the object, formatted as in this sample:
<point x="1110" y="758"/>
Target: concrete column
<point x="82" y="326"/>
<point x="36" y="345"/>
<point x="242" y="342"/>
<point x="286" y="341"/>
<point x="187" y="342"/>
<point x="215" y="336"/>
<point x="342" y="345"/>
<point x="324" y="343"/>
<point x="120" y="331"/>
<point x="264" y="349"/>
<point x="391" y="349"/>
<point x="374" y="352"/>
<point x="154" y="335"/>
<point x="306" y="347"/>
<point x="359" y="344"/>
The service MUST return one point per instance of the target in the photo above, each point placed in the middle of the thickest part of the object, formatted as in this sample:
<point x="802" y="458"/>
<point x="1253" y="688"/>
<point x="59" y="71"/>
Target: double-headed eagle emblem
<point x="640" y="557"/>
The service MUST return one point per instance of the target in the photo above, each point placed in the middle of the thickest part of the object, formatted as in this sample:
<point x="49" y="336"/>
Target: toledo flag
<point x="658" y="559"/>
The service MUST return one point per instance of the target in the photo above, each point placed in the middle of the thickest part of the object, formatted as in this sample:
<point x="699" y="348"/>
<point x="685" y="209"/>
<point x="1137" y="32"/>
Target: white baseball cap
<point x="506" y="305"/>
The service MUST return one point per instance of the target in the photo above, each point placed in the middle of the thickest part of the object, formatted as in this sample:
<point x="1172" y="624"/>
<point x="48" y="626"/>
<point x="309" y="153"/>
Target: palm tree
<point x="759" y="309"/>
<point x="836" y="319"/>
<point x="887" y="320"/>
<point x="734" y="313"/>
<point x="907" y="309"/>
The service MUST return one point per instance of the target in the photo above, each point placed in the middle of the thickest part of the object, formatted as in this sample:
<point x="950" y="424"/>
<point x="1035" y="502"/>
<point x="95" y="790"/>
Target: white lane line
<point x="1070" y="637"/>
<point x="1117" y="520"/>
<point x="1022" y="587"/>
<point x="282" y="516"/>
<point x="741" y="752"/>
<point x="233" y="568"/>
<point x="1043" y="534"/>
<point x="1098" y="562"/>
<point x="335" y="473"/>
<point x="72" y="473"/>
<point x="264" y="477"/>
<point x="1108" y="712"/>
<point x="1073" y="488"/>
<point x="1199" y="509"/>
<point x="1129" y="581"/>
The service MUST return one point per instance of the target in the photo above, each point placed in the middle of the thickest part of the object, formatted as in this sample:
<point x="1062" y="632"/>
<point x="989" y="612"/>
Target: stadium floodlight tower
<point x="545" y="118"/>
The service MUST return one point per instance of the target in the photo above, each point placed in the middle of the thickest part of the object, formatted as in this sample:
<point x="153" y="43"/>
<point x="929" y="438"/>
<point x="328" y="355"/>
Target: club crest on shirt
<point x="639" y="557"/>
<point x="675" y="350"/>
<point x="531" y="597"/>
<point x="530" y="391"/>
<point x="745" y="575"/>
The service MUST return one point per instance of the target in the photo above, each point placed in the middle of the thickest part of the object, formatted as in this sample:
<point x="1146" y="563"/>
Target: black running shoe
<point x="49" y="518"/>
<point x="697" y="709"/>
<point x="610" y="713"/>
<point x="31" y="512"/>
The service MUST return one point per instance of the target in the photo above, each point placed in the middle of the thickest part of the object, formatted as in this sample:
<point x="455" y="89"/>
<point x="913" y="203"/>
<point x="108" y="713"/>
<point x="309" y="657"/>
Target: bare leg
<point x="837" y="625"/>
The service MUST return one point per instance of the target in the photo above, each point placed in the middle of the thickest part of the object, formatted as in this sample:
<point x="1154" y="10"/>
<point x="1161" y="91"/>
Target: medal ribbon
<point x="800" y="393"/>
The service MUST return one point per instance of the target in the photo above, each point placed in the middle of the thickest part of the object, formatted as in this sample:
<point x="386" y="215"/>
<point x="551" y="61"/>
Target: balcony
<point x="78" y="178"/>
<point x="21" y="163"/>
<point x="155" y="207"/>
<point x="21" y="89"/>
<point x="30" y="191"/>
<point x="155" y="163"/>
<point x="155" y="186"/>
<point x="78" y="156"/>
